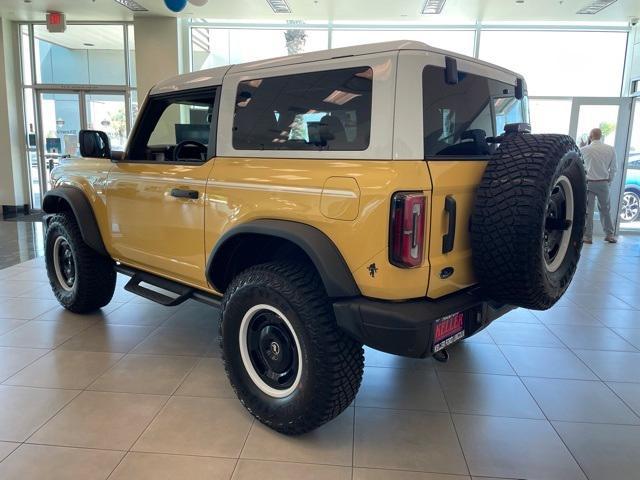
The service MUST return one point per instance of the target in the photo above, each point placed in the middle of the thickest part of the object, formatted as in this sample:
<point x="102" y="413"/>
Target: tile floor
<point x="137" y="391"/>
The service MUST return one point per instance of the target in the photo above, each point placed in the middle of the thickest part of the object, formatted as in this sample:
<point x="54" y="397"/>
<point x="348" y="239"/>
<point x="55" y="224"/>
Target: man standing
<point x="600" y="163"/>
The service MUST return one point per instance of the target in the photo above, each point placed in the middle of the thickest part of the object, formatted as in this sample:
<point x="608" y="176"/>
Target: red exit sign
<point x="56" y="22"/>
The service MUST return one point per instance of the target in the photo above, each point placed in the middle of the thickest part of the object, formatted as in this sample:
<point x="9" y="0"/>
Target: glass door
<point x="611" y="115"/>
<point x="60" y="123"/>
<point x="630" y="205"/>
<point x="107" y="112"/>
<point x="58" y="118"/>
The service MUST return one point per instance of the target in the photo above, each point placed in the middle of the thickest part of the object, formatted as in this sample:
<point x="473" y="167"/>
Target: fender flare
<point x="325" y="256"/>
<point x="81" y="209"/>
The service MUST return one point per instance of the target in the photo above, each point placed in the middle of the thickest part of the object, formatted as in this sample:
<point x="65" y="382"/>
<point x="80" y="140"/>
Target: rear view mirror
<point x="94" y="144"/>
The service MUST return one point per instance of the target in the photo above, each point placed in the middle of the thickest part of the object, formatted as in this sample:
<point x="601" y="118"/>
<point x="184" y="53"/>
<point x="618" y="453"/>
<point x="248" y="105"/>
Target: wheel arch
<point x="260" y="241"/>
<point x="65" y="199"/>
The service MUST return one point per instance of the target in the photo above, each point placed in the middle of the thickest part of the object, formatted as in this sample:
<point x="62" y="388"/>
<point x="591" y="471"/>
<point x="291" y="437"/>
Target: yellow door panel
<point x="245" y="189"/>
<point x="153" y="228"/>
<point x="459" y="179"/>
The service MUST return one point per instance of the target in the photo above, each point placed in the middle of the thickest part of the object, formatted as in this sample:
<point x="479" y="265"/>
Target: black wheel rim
<point x="272" y="350"/>
<point x="64" y="263"/>
<point x="557" y="224"/>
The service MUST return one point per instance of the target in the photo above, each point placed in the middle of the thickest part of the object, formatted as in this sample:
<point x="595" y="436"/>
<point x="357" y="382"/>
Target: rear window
<point x="328" y="110"/>
<point x="458" y="118"/>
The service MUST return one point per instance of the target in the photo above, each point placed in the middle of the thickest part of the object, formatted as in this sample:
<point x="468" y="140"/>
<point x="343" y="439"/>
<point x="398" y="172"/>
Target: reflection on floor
<point x="20" y="241"/>
<point x="138" y="391"/>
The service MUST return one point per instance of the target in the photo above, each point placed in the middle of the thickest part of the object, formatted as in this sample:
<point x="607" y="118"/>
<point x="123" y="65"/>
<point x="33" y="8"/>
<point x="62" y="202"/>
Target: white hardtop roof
<point x="214" y="76"/>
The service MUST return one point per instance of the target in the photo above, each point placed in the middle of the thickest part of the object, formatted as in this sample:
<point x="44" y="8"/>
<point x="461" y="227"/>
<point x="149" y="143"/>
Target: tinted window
<point x="171" y="120"/>
<point x="458" y="118"/>
<point x="328" y="110"/>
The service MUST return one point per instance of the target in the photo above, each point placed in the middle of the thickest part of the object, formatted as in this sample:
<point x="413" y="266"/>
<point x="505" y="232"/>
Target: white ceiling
<point x="336" y="10"/>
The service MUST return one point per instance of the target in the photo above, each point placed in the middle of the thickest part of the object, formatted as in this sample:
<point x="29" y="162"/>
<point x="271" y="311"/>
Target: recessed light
<point x="433" y="7"/>
<point x="89" y="44"/>
<point x="595" y="7"/>
<point x="520" y="1"/>
<point x="132" y="5"/>
<point x="279" y="6"/>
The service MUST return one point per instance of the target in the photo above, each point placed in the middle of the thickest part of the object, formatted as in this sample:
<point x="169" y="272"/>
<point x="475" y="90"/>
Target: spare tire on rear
<point x="528" y="220"/>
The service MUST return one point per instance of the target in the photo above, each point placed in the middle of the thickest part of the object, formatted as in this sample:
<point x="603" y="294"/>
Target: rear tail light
<point x="406" y="236"/>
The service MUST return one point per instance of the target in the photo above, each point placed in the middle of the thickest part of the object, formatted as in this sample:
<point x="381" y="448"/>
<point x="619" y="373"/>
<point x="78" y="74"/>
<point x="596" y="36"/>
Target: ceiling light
<point x="132" y="5"/>
<point x="432" y="7"/>
<point x="279" y="6"/>
<point x="595" y="6"/>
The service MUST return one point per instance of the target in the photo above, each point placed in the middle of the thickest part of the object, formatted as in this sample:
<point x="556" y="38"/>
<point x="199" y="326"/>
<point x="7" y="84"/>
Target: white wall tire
<point x="563" y="185"/>
<point x="291" y="296"/>
<point x="249" y="364"/>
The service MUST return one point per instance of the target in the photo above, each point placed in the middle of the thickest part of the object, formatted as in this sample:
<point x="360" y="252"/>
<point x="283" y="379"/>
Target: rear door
<point x="457" y="118"/>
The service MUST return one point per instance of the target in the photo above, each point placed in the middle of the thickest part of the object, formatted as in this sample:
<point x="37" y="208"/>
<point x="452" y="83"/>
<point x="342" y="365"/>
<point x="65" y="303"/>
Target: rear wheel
<point x="287" y="360"/>
<point x="528" y="220"/>
<point x="81" y="279"/>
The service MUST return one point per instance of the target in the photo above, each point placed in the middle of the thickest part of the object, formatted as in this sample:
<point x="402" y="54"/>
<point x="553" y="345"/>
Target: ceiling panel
<point x="336" y="10"/>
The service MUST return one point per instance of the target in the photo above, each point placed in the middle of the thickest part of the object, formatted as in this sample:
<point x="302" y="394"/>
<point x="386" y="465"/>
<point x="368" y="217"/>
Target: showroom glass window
<point x="83" y="54"/>
<point x="560" y="63"/>
<point x="212" y="47"/>
<point x="459" y="117"/>
<point x="327" y="110"/>
<point x="459" y="41"/>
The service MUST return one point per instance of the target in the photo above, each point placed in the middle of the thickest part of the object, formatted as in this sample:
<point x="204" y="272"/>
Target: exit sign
<point x="56" y="22"/>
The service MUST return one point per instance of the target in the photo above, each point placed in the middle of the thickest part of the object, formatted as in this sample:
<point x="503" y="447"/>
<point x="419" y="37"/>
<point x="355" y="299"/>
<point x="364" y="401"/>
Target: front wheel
<point x="81" y="279"/>
<point x="287" y="360"/>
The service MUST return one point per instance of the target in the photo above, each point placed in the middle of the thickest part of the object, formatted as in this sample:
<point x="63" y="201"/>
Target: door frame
<point x="621" y="141"/>
<point x="82" y="91"/>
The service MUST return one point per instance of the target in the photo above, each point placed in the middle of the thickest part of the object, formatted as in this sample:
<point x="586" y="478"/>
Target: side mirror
<point x="94" y="144"/>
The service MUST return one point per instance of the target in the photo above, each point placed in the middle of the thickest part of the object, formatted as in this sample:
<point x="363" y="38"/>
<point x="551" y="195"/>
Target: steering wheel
<point x="187" y="143"/>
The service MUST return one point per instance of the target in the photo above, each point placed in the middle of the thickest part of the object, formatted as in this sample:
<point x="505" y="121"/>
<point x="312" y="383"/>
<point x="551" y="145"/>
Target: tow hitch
<point x="442" y="356"/>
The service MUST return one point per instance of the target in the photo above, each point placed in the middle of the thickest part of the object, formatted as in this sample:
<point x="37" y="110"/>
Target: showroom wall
<point x="157" y="51"/>
<point x="13" y="183"/>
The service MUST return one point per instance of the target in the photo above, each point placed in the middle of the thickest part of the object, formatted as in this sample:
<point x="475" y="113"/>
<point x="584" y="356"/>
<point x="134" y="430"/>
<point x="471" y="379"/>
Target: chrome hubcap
<point x="630" y="207"/>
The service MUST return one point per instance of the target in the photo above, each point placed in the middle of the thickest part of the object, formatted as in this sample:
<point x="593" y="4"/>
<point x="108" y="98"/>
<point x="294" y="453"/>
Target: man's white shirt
<point x="599" y="160"/>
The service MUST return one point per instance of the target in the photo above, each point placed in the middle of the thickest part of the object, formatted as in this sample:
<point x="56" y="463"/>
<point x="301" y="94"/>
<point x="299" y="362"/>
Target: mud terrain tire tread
<point x="95" y="274"/>
<point x="508" y="220"/>
<point x="335" y="361"/>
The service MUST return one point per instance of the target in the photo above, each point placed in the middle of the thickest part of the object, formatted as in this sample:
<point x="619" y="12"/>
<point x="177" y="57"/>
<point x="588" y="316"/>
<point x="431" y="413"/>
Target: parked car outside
<point x="630" y="211"/>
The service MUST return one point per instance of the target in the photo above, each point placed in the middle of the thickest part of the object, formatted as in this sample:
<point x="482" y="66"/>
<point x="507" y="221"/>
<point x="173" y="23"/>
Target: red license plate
<point x="448" y="330"/>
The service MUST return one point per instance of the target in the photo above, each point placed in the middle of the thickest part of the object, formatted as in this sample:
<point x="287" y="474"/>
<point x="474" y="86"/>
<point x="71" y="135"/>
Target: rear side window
<point x="458" y="118"/>
<point x="328" y="110"/>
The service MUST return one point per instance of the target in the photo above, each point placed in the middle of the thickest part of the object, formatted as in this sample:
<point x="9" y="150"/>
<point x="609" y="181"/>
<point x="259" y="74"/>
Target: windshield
<point x="459" y="117"/>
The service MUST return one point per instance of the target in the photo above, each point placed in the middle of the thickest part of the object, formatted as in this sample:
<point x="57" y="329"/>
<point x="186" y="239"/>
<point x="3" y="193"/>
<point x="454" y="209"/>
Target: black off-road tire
<point x="331" y="362"/>
<point x="510" y="214"/>
<point x="95" y="275"/>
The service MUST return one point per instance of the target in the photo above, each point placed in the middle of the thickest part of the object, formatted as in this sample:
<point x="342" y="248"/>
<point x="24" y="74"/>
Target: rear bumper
<point x="406" y="328"/>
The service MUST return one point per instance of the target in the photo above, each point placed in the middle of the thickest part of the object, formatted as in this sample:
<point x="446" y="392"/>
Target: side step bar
<point x="176" y="292"/>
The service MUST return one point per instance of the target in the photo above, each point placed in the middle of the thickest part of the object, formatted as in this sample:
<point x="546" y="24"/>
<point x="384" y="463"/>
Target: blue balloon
<point x="175" y="5"/>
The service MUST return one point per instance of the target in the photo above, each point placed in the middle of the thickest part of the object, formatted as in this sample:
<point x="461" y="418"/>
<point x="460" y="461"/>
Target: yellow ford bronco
<point x="388" y="195"/>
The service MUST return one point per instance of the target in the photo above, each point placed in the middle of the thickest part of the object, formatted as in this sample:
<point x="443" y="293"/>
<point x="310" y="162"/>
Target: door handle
<point x="183" y="193"/>
<point x="449" y="238"/>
